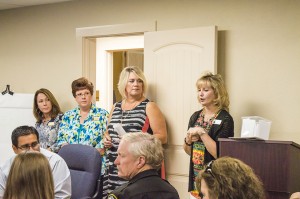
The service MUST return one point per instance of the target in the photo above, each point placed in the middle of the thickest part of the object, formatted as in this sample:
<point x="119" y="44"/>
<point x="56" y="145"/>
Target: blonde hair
<point x="124" y="75"/>
<point x="30" y="177"/>
<point x="231" y="178"/>
<point x="217" y="84"/>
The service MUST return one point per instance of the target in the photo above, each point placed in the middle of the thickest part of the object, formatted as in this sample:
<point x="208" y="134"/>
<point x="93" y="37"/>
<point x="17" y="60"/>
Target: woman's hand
<point x="196" y="133"/>
<point x="107" y="141"/>
<point x="188" y="139"/>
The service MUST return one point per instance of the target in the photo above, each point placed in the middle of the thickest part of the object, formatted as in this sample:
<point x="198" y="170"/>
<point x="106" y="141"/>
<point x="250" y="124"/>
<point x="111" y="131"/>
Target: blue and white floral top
<point x="90" y="132"/>
<point x="48" y="133"/>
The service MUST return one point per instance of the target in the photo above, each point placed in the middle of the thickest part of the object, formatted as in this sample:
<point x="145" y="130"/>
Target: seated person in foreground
<point x="295" y="195"/>
<point x="139" y="157"/>
<point x="38" y="175"/>
<point x="26" y="138"/>
<point x="229" y="178"/>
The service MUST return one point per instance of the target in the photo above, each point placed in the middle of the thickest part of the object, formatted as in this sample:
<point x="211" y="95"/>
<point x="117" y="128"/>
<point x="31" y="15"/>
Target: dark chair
<point x="84" y="163"/>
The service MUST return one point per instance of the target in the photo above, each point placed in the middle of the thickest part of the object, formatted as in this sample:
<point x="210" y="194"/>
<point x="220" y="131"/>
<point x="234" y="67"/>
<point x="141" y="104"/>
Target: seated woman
<point x="229" y="178"/>
<point x="28" y="180"/>
<point x="48" y="116"/>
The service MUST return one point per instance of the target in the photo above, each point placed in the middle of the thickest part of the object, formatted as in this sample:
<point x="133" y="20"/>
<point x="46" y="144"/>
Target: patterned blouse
<point x="223" y="127"/>
<point x="48" y="133"/>
<point x="90" y="132"/>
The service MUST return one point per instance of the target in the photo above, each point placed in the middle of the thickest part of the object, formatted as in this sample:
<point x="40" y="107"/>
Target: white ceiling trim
<point x="10" y="4"/>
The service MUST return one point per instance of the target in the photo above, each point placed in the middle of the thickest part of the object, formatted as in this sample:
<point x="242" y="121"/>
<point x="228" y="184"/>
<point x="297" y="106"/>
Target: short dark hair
<point x="22" y="131"/>
<point x="80" y="84"/>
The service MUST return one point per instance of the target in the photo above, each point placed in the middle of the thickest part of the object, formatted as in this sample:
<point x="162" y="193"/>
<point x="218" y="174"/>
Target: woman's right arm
<point x="107" y="138"/>
<point x="187" y="143"/>
<point x="188" y="140"/>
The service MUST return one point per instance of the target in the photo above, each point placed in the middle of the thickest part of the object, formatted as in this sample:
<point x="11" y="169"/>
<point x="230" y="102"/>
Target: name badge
<point x="96" y="118"/>
<point x="218" y="122"/>
<point x="51" y="124"/>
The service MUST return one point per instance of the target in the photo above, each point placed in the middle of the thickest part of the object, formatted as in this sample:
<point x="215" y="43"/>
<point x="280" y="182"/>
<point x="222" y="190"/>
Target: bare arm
<point x="187" y="143"/>
<point x="157" y="122"/>
<point x="107" y="139"/>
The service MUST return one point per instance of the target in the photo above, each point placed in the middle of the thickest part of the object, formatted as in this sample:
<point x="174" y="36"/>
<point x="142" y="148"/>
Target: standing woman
<point x="48" y="116"/>
<point x="86" y="123"/>
<point x="213" y="121"/>
<point x="135" y="113"/>
<point x="30" y="176"/>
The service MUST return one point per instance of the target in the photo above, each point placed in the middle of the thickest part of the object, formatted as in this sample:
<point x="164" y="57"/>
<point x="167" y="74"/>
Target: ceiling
<point x="9" y="4"/>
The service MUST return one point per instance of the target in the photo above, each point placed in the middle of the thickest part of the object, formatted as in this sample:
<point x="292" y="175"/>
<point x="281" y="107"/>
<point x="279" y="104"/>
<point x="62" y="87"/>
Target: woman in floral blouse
<point x="48" y="117"/>
<point x="213" y="121"/>
<point x="86" y="123"/>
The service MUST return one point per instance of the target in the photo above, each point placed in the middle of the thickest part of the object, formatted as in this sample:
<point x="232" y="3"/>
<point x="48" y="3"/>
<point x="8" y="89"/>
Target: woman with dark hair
<point x="30" y="176"/>
<point x="86" y="123"/>
<point x="48" y="116"/>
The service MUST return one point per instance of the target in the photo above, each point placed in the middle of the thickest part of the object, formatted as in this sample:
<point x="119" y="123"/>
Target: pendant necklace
<point x="206" y="125"/>
<point x="123" y="117"/>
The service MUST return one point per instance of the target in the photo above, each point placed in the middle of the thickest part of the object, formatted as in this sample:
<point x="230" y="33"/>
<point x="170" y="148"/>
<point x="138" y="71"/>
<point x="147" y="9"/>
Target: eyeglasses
<point x="83" y="94"/>
<point x="26" y="147"/>
<point x="208" y="168"/>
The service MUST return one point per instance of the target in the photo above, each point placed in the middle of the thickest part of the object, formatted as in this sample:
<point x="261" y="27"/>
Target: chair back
<point x="84" y="163"/>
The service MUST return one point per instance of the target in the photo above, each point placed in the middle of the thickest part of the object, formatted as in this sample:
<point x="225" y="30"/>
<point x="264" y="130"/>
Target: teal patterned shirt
<point x="90" y="132"/>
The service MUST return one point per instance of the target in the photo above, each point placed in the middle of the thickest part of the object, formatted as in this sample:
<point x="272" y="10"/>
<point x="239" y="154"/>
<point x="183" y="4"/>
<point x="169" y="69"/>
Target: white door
<point x="174" y="60"/>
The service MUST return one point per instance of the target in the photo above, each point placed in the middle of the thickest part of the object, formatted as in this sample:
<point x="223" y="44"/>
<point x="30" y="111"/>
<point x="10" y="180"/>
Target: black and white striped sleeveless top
<point x="134" y="120"/>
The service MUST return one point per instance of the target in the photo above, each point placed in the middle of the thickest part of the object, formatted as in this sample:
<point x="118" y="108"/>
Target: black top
<point x="145" y="185"/>
<point x="223" y="130"/>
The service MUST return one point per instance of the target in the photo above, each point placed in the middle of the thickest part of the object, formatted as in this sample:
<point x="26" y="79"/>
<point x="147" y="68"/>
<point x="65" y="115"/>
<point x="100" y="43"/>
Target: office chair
<point x="84" y="163"/>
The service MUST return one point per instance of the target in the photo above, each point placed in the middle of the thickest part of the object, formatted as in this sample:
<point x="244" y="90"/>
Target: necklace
<point x="123" y="117"/>
<point x="126" y="112"/>
<point x="206" y="125"/>
<point x="46" y="120"/>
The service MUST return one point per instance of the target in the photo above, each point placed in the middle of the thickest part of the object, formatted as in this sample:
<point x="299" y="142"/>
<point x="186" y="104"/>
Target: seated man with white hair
<point x="295" y="195"/>
<point x="139" y="157"/>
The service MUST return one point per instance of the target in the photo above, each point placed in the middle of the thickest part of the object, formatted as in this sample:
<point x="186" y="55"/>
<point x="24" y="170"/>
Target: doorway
<point x="122" y="59"/>
<point x="112" y="55"/>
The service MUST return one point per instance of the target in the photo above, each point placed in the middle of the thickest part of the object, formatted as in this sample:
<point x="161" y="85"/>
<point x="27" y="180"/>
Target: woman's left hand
<point x="196" y="133"/>
<point x="107" y="141"/>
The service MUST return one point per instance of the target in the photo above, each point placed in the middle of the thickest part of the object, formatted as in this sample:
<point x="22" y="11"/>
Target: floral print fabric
<point x="90" y="132"/>
<point x="48" y="133"/>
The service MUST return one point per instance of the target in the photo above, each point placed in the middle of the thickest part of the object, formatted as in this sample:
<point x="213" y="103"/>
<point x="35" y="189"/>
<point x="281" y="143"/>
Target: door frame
<point x="86" y="42"/>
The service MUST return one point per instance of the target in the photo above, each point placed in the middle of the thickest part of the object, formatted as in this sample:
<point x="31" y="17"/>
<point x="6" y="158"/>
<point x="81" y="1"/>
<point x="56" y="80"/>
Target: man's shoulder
<point x="53" y="158"/>
<point x="158" y="186"/>
<point x="6" y="165"/>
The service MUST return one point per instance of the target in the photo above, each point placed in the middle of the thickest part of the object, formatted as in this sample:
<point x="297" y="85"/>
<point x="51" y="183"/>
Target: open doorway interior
<point x="112" y="55"/>
<point x="122" y="59"/>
